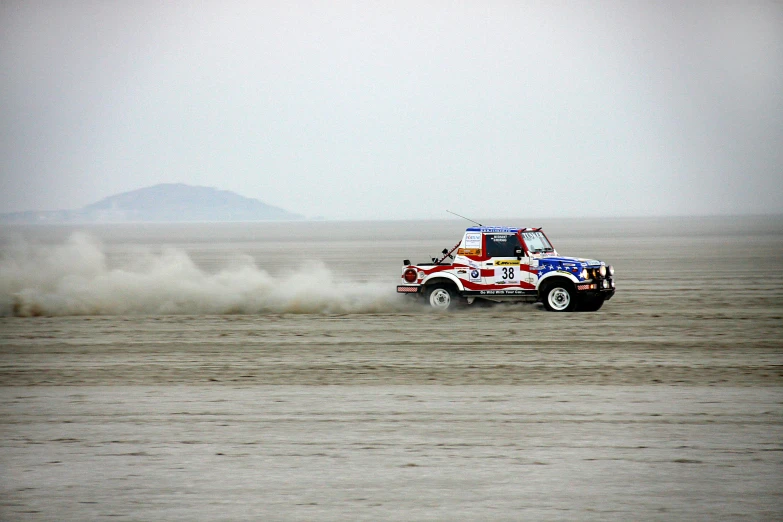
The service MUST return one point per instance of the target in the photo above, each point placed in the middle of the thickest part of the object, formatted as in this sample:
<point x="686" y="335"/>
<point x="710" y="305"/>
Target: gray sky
<point x="390" y="110"/>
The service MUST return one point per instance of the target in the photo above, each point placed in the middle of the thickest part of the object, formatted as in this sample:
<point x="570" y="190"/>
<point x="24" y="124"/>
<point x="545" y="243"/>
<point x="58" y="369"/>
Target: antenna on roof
<point x="463" y="217"/>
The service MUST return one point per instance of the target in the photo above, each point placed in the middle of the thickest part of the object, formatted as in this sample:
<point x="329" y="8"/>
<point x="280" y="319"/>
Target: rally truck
<point x="509" y="264"/>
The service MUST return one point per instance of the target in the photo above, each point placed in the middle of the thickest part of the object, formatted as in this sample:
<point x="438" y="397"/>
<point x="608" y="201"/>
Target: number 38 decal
<point x="506" y="275"/>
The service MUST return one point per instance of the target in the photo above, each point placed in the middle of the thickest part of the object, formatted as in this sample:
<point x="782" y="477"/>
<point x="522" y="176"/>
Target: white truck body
<point x="508" y="263"/>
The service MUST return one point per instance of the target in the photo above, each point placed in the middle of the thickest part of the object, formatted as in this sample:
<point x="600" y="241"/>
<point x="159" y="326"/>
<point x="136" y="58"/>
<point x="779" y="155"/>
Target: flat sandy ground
<point x="665" y="405"/>
<point x="503" y="413"/>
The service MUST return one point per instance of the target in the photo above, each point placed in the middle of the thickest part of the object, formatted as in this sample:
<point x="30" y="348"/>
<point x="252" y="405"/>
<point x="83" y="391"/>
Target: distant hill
<point x="167" y="202"/>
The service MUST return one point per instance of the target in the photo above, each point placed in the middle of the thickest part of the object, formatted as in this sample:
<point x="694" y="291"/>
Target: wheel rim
<point x="559" y="299"/>
<point x="440" y="298"/>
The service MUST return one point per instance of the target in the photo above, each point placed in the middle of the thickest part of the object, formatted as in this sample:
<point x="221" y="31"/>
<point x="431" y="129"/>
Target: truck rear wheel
<point x="560" y="297"/>
<point x="442" y="297"/>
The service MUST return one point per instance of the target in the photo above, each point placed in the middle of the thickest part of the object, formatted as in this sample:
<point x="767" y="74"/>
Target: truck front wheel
<point x="560" y="297"/>
<point x="591" y="303"/>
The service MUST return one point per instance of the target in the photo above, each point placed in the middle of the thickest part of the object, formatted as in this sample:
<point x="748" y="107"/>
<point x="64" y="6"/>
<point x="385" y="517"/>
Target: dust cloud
<point x="74" y="278"/>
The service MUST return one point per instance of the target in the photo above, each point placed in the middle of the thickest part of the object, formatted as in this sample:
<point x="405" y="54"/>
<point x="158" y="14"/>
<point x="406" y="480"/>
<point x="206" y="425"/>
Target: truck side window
<point x="501" y="245"/>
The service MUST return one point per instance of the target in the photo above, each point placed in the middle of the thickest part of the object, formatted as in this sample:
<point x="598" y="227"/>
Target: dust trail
<point x="74" y="279"/>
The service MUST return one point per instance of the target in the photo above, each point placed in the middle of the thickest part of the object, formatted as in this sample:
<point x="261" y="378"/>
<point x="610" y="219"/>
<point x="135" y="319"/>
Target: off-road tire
<point x="590" y="304"/>
<point x="442" y="297"/>
<point x="559" y="296"/>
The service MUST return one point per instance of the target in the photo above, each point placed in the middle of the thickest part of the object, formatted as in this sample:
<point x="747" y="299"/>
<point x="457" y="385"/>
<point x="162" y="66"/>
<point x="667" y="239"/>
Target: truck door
<point x="500" y="252"/>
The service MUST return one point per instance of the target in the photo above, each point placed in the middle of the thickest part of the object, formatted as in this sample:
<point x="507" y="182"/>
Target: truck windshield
<point x="536" y="242"/>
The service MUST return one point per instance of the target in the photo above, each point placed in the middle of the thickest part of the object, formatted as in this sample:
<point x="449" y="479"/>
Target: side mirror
<point x="518" y="252"/>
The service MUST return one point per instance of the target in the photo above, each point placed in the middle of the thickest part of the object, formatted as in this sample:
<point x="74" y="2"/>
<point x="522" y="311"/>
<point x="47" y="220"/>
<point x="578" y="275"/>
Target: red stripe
<point x="478" y="286"/>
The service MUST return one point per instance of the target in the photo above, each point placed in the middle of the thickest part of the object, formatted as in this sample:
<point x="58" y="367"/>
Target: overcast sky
<point x="394" y="109"/>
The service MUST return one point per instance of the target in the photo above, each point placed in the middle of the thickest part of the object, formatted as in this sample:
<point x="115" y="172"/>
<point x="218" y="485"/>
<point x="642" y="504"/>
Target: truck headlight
<point x="583" y="274"/>
<point x="602" y="271"/>
<point x="610" y="269"/>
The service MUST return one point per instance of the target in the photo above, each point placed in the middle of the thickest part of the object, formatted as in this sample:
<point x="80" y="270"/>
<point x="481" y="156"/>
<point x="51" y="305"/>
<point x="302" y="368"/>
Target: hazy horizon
<point x="389" y="112"/>
<point x="448" y="216"/>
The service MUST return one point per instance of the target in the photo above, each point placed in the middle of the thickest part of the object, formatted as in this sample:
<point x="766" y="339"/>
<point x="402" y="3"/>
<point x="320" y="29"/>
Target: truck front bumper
<point x="603" y="287"/>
